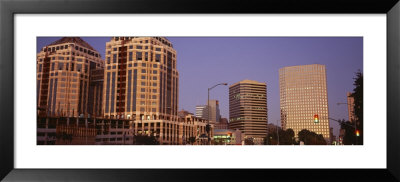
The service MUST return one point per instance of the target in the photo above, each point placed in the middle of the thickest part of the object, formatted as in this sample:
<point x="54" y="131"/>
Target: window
<point x="144" y="64"/>
<point x="154" y="78"/>
<point x="143" y="90"/>
<point x="158" y="49"/>
<point x="146" y="56"/>
<point x="78" y="67"/>
<point x="108" y="60"/>
<point x="142" y="96"/>
<point x="131" y="47"/>
<point x="154" y="65"/>
<point x="40" y="67"/>
<point x="138" y="55"/>
<point x="158" y="57"/>
<point x="52" y="66"/>
<point x="114" y="58"/>
<point x="60" y="66"/>
<point x="143" y="77"/>
<point x="134" y="64"/>
<point x="143" y="83"/>
<point x="130" y="56"/>
<point x="154" y="97"/>
<point x="143" y="71"/>
<point x="154" y="71"/>
<point x="138" y="47"/>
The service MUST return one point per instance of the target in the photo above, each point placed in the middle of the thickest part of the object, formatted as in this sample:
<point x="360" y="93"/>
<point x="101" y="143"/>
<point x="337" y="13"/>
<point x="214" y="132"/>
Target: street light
<point x="208" y="128"/>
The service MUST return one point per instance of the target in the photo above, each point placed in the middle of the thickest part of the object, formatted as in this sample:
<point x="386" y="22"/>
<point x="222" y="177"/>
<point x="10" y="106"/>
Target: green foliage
<point x="311" y="138"/>
<point x="249" y="141"/>
<point x="358" y="105"/>
<point x="286" y="137"/>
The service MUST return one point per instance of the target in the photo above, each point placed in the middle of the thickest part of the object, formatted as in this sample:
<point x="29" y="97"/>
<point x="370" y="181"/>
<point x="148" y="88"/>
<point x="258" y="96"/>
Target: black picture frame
<point x="9" y="8"/>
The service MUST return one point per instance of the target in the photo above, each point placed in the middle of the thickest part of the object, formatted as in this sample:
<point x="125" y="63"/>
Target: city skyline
<point x="202" y="62"/>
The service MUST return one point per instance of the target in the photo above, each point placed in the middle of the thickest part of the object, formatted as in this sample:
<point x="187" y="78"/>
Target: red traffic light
<point x="316" y="118"/>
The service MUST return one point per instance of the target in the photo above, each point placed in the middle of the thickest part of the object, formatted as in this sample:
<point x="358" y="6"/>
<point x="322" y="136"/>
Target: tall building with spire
<point x="63" y="75"/>
<point x="304" y="99"/>
<point x="248" y="109"/>
<point x="140" y="79"/>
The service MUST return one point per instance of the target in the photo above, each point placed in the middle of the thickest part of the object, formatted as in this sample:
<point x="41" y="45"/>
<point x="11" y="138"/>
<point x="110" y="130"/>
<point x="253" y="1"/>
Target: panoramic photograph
<point x="199" y="90"/>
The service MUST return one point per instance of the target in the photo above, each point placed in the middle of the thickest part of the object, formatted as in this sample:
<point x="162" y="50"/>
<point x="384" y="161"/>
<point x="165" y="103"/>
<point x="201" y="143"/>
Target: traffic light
<point x="316" y="119"/>
<point x="357" y="132"/>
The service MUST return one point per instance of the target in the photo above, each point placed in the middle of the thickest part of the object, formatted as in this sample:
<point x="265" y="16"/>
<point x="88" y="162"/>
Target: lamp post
<point x="208" y="111"/>
<point x="277" y="130"/>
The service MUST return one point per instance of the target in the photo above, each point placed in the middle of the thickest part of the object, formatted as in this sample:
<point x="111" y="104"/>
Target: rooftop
<point x="75" y="40"/>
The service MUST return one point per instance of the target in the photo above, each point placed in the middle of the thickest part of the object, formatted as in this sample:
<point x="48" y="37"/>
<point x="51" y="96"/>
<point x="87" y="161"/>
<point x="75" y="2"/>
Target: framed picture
<point x="194" y="43"/>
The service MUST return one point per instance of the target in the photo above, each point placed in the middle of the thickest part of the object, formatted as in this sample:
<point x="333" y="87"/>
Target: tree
<point x="349" y="132"/>
<point x="358" y="106"/>
<point x="249" y="141"/>
<point x="192" y="140"/>
<point x="311" y="138"/>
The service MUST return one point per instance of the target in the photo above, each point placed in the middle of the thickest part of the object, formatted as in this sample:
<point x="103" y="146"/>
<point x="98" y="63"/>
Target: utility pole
<point x="277" y="130"/>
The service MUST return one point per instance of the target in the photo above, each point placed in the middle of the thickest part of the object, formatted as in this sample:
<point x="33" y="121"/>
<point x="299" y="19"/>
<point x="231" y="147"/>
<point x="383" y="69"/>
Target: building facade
<point x="350" y="107"/>
<point x="304" y="99"/>
<point x="248" y="108"/>
<point x="202" y="111"/>
<point x="140" y="79"/>
<point x="64" y="79"/>
<point x="214" y="111"/>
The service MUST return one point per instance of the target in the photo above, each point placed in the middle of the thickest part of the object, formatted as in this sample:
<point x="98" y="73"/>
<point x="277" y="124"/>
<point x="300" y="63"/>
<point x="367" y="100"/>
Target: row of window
<point x="61" y="47"/>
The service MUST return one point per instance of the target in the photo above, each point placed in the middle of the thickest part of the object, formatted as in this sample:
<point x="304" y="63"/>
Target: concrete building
<point x="141" y="79"/>
<point x="202" y="111"/>
<point x="248" y="109"/>
<point x="228" y="137"/>
<point x="222" y="124"/>
<point x="112" y="131"/>
<point x="64" y="73"/>
<point x="304" y="99"/>
<point x="350" y="107"/>
<point x="182" y="113"/>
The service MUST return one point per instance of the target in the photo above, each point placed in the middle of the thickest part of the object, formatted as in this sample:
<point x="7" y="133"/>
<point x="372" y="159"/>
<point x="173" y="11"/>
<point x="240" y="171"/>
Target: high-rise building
<point x="304" y="99"/>
<point x="350" y="107"/>
<point x="248" y="108"/>
<point x="202" y="111"/>
<point x="214" y="111"/>
<point x="64" y="86"/>
<point x="141" y="79"/>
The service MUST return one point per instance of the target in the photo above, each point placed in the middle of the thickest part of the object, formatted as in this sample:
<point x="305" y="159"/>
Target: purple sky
<point x="206" y="61"/>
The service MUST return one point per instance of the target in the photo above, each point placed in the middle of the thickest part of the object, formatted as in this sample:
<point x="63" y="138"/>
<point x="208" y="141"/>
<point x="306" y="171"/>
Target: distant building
<point x="214" y="111"/>
<point x="248" y="109"/>
<point x="222" y="124"/>
<point x="304" y="99"/>
<point x="202" y="111"/>
<point x="350" y="107"/>
<point x="182" y="113"/>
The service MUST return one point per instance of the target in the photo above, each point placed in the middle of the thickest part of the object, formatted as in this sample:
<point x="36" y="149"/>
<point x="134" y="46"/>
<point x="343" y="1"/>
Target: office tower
<point x="202" y="111"/>
<point x="64" y="79"/>
<point x="350" y="107"/>
<point x="248" y="108"/>
<point x="140" y="79"/>
<point x="304" y="99"/>
<point x="214" y="111"/>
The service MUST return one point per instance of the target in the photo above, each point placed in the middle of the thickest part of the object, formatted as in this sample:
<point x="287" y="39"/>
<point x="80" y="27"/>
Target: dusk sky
<point x="205" y="61"/>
